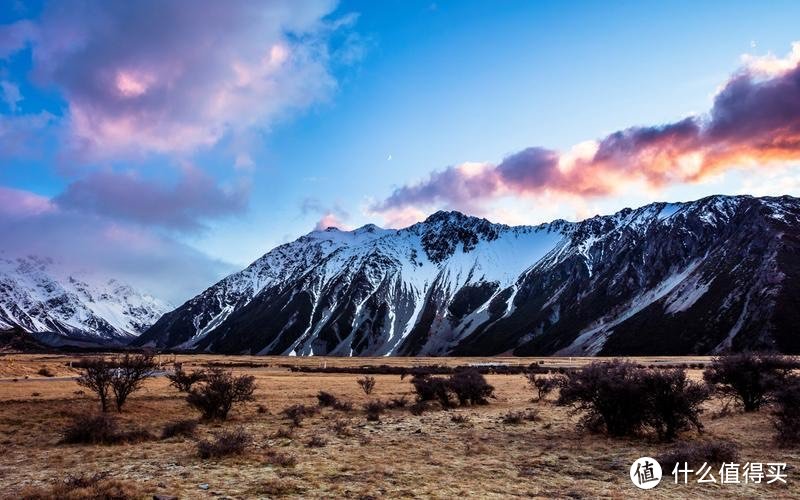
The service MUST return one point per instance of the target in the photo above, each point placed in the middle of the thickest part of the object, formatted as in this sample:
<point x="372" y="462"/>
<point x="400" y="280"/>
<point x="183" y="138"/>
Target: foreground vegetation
<point x="246" y="427"/>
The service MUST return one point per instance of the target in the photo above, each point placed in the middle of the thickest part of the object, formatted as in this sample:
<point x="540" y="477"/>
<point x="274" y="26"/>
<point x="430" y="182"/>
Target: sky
<point x="169" y="142"/>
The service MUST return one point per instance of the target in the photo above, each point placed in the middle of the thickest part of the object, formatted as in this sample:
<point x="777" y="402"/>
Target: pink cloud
<point x="156" y="76"/>
<point x="754" y="123"/>
<point x="18" y="203"/>
<point x="193" y="198"/>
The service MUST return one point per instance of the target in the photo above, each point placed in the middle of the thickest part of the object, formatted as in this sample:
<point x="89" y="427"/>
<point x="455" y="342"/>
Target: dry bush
<point x="367" y="384"/>
<point x="460" y="418"/>
<point x="374" y="409"/>
<point x="342" y="405"/>
<point x="470" y="387"/>
<point x="184" y="381"/>
<point x="610" y="394"/>
<point x="225" y="443"/>
<point x="542" y="385"/>
<point x="119" y="377"/>
<point x="695" y="453"/>
<point x="787" y="413"/>
<point x="749" y="378"/>
<point x="317" y="441"/>
<point x="297" y="413"/>
<point x="466" y="386"/>
<point x="624" y="399"/>
<point x="179" y="428"/>
<point x="326" y="399"/>
<point x="100" y="429"/>
<point x="84" y="487"/>
<point x="219" y="391"/>
<point x="342" y="428"/>
<point x="673" y="402"/>
<point x="280" y="459"/>
<point x="418" y="408"/>
<point x="45" y="372"/>
<point x="430" y="388"/>
<point x="400" y="402"/>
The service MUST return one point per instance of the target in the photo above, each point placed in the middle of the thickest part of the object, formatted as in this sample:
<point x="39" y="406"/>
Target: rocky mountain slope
<point x="717" y="274"/>
<point x="36" y="297"/>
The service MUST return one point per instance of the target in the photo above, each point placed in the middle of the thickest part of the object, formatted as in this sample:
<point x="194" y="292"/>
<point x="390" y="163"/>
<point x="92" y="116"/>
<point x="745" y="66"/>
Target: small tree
<point x="542" y="385"/>
<point x="748" y="378"/>
<point x="183" y="381"/>
<point x="128" y="374"/>
<point x="219" y="391"/>
<point x="96" y="376"/>
<point x="367" y="384"/>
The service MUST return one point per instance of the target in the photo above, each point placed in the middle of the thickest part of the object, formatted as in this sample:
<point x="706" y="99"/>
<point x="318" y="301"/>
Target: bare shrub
<point x="342" y="428"/>
<point x="374" y="409"/>
<point x="84" y="487"/>
<point x="130" y="372"/>
<point x="624" y="399"/>
<point x="400" y="402"/>
<point x="470" y="387"/>
<point x="673" y="402"/>
<point x="695" y="453"/>
<point x="542" y="385"/>
<point x="96" y="376"/>
<point x="298" y="413"/>
<point x="100" y="429"/>
<point x="120" y="376"/>
<point x="326" y="399"/>
<point x="45" y="372"/>
<point x="430" y="388"/>
<point x="225" y="443"/>
<point x="610" y="395"/>
<point x="342" y="405"/>
<point x="367" y="384"/>
<point x="748" y="378"/>
<point x="787" y="413"/>
<point x="219" y="391"/>
<point x="460" y="418"/>
<point x="418" y="408"/>
<point x="280" y="459"/>
<point x="179" y="428"/>
<point x="184" y="381"/>
<point x="317" y="441"/>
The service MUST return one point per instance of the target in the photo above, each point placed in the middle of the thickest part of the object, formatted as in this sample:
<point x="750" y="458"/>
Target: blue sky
<point x="350" y="115"/>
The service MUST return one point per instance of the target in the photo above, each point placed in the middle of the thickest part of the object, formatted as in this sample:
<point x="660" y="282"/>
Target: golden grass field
<point x="403" y="456"/>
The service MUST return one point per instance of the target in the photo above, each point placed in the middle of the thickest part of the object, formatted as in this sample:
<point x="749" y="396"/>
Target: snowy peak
<point x="38" y="297"/>
<point x="714" y="274"/>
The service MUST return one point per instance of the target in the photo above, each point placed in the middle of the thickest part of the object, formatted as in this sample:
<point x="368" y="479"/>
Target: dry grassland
<point x="402" y="456"/>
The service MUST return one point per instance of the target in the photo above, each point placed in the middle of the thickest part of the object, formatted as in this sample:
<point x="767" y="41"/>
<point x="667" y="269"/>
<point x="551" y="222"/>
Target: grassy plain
<point x="402" y="456"/>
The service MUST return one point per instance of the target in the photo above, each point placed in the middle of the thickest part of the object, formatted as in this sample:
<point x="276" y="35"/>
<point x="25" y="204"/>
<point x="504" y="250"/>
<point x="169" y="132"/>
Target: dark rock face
<point x="717" y="274"/>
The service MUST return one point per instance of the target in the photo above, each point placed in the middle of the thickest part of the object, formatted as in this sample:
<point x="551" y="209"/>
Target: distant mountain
<point x="59" y="307"/>
<point x="721" y="273"/>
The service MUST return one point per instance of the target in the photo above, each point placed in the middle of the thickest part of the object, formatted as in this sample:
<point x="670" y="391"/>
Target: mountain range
<point x="37" y="296"/>
<point x="709" y="276"/>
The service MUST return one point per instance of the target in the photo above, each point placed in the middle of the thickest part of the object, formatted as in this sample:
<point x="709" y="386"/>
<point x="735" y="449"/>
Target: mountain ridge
<point x="461" y="285"/>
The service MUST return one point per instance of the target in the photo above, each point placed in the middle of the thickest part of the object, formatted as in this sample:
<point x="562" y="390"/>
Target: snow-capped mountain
<point x="721" y="273"/>
<point x="39" y="298"/>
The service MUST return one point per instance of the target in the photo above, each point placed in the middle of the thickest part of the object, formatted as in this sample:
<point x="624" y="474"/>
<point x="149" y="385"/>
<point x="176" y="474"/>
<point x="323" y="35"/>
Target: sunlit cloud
<point x="754" y="123"/>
